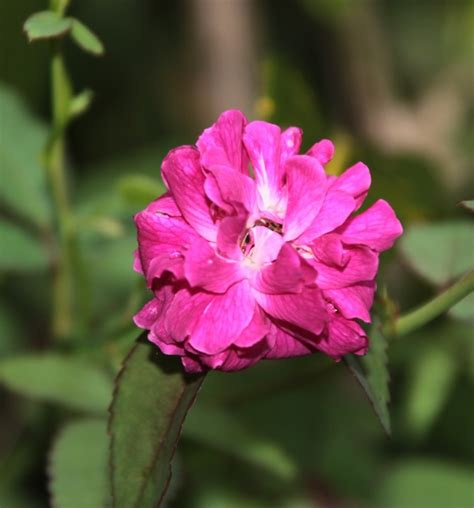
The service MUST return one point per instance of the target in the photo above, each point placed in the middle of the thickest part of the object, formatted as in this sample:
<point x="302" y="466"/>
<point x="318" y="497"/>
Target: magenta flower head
<point x="254" y="252"/>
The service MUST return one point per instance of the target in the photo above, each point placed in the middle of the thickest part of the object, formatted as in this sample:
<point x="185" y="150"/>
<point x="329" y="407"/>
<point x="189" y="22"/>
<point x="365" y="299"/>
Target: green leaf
<point x="78" y="466"/>
<point x="56" y="378"/>
<point x="80" y="103"/>
<point x="431" y="376"/>
<point x="150" y="403"/>
<point x="46" y="25"/>
<point x="439" y="252"/>
<point x="372" y="373"/>
<point x="421" y="484"/>
<point x="20" y="251"/>
<point x="222" y="430"/>
<point x="464" y="309"/>
<point x="468" y="204"/>
<point x="23" y="187"/>
<point x="85" y="38"/>
<point x="140" y="190"/>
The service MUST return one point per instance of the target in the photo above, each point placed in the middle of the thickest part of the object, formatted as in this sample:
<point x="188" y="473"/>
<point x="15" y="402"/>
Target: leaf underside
<point x="372" y="374"/>
<point x="151" y="400"/>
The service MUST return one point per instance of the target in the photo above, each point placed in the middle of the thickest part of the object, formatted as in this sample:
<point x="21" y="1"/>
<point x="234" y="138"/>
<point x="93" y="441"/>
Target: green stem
<point x="56" y="165"/>
<point x="434" y="308"/>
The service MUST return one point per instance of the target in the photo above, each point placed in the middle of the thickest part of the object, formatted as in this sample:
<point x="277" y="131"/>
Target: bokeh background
<point x="391" y="83"/>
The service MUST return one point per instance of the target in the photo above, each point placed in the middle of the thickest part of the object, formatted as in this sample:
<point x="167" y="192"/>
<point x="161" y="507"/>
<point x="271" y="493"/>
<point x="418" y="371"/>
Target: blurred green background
<point x="391" y="82"/>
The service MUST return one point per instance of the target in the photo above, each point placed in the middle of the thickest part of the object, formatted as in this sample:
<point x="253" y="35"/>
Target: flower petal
<point x="306" y="182"/>
<point x="362" y="266"/>
<point x="229" y="235"/>
<point x="221" y="144"/>
<point x="285" y="345"/>
<point x="262" y="140"/>
<point x="377" y="227"/>
<point x="343" y="337"/>
<point x="290" y="143"/>
<point x="354" y="302"/>
<point x="337" y="206"/>
<point x="289" y="273"/>
<point x="182" y="174"/>
<point x="306" y="310"/>
<point x="223" y="319"/>
<point x="205" y="269"/>
<point x="255" y="331"/>
<point x="329" y="250"/>
<point x="355" y="181"/>
<point x="322" y="150"/>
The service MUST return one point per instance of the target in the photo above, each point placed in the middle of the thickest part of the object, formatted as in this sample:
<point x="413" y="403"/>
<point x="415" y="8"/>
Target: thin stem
<point x="435" y="307"/>
<point x="63" y="283"/>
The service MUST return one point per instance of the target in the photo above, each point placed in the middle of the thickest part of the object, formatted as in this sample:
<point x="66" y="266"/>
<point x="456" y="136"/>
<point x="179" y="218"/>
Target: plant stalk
<point x="435" y="307"/>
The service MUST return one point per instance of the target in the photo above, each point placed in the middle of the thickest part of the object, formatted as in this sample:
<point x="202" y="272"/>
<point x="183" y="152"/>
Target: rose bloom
<point x="254" y="252"/>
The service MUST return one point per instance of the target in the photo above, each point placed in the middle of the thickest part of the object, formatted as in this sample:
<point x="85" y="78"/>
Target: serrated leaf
<point x="150" y="403"/>
<point x="372" y="374"/>
<point x="221" y="430"/>
<point x="85" y="38"/>
<point x="46" y="25"/>
<point x="78" y="466"/>
<point x="23" y="187"/>
<point x="61" y="379"/>
<point x="439" y="252"/>
<point x="468" y="204"/>
<point x="20" y="250"/>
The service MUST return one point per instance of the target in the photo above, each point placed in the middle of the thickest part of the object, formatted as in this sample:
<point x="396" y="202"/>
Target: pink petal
<point x="306" y="310"/>
<point x="231" y="188"/>
<point x="285" y="345"/>
<point x="255" y="331"/>
<point x="161" y="237"/>
<point x="377" y="227"/>
<point x="267" y="245"/>
<point x="137" y="264"/>
<point x="205" y="269"/>
<point x="233" y="359"/>
<point x="337" y="206"/>
<point x="182" y="174"/>
<point x="322" y="150"/>
<point x="165" y="205"/>
<point x="229" y="236"/>
<point x="262" y="141"/>
<point x="306" y="182"/>
<point x="354" y="302"/>
<point x="223" y="320"/>
<point x="290" y="143"/>
<point x="289" y="273"/>
<point x="150" y="312"/>
<point x="192" y="365"/>
<point x="184" y="312"/>
<point x="329" y="250"/>
<point x="167" y="349"/>
<point x="221" y="144"/>
<point x="343" y="337"/>
<point x="355" y="181"/>
<point x="362" y="266"/>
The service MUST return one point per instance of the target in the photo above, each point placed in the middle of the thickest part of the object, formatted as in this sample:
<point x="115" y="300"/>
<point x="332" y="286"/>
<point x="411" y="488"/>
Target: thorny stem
<point x="433" y="308"/>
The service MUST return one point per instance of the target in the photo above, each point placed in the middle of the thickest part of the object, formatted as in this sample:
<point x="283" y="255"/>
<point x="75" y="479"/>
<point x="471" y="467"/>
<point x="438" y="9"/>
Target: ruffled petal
<point x="285" y="345"/>
<point x="354" y="302"/>
<point x="323" y="151"/>
<point x="262" y="140"/>
<point x="355" y="181"/>
<point x="229" y="235"/>
<point x="306" y="310"/>
<point x="337" y="206"/>
<point x="257" y="329"/>
<point x="343" y="337"/>
<point x="329" y="250"/>
<point x="221" y="144"/>
<point x="377" y="227"/>
<point x="361" y="266"/>
<point x="203" y="268"/>
<point x="290" y="143"/>
<point x="182" y="174"/>
<point x="306" y="183"/>
<point x="289" y="273"/>
<point x="223" y="319"/>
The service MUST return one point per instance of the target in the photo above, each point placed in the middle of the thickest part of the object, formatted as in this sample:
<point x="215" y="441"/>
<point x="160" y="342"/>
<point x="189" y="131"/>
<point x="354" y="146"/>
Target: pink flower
<point x="247" y="268"/>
